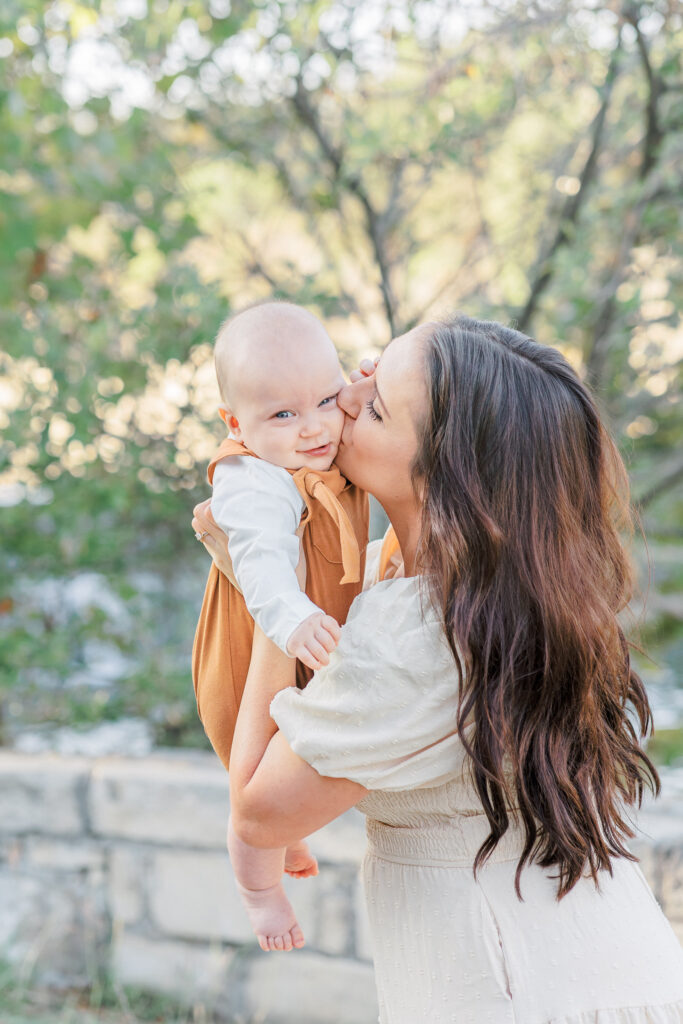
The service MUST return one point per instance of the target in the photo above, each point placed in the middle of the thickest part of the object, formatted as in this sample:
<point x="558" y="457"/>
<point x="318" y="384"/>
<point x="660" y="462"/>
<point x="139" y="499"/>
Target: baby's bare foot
<point x="299" y="861"/>
<point x="272" y="917"/>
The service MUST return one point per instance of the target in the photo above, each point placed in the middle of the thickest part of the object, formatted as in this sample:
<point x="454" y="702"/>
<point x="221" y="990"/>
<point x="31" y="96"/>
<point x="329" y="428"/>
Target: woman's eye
<point x="283" y="414"/>
<point x="331" y="398"/>
<point x="371" y="409"/>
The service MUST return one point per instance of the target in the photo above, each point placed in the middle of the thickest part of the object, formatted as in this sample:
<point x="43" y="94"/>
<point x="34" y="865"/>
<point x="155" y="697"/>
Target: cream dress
<point x="447" y="947"/>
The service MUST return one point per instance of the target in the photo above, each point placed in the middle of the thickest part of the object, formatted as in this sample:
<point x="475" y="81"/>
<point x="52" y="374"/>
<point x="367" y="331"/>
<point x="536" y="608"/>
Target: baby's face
<point x="287" y="406"/>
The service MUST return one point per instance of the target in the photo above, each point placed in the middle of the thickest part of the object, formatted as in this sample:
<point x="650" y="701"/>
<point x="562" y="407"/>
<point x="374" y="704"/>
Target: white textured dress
<point x="449" y="947"/>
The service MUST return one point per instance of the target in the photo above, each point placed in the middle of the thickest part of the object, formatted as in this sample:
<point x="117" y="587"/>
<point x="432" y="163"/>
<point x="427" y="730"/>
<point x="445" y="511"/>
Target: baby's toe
<point x="297" y="936"/>
<point x="279" y="942"/>
<point x="263" y="943"/>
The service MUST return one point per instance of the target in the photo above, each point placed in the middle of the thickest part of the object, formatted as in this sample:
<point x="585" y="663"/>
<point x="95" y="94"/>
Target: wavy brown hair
<point x="524" y="497"/>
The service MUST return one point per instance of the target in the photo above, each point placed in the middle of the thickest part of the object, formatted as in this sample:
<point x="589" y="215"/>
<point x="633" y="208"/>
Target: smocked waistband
<point x="451" y="843"/>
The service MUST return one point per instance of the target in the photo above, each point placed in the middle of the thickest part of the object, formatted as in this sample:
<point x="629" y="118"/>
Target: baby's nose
<point x="311" y="424"/>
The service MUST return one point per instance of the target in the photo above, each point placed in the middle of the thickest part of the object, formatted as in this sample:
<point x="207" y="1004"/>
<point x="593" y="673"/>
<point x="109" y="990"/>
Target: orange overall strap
<point x="324" y="487"/>
<point x="228" y="447"/>
<point x="387" y="551"/>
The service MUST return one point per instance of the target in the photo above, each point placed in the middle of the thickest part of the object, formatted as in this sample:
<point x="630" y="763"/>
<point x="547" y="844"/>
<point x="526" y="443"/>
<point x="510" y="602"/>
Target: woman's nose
<point x="349" y="398"/>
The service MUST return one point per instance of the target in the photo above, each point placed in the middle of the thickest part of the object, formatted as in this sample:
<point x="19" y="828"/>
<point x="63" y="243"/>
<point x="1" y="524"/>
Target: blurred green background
<point x="380" y="162"/>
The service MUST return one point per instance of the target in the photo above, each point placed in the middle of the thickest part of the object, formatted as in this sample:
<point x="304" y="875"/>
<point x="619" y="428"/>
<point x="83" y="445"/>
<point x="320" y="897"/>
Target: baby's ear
<point x="231" y="422"/>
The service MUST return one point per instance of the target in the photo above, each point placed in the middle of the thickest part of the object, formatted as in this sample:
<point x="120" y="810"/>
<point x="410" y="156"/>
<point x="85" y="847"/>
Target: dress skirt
<point x="449" y="948"/>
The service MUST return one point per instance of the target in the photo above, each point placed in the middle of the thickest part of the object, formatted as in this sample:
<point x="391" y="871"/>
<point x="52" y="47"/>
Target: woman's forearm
<point x="270" y="671"/>
<point x="276" y="798"/>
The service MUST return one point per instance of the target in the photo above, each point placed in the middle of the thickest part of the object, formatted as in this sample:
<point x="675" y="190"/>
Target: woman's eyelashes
<point x="373" y="412"/>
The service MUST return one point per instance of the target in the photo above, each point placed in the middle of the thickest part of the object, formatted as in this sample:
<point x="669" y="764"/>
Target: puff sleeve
<point x="383" y="712"/>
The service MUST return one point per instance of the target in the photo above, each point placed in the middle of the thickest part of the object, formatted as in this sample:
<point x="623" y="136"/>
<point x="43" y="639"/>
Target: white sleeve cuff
<point x="280" y="616"/>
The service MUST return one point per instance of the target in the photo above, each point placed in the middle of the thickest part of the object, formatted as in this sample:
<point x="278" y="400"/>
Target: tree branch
<point x="667" y="482"/>
<point x="309" y="115"/>
<point x="573" y="203"/>
<point x="653" y="131"/>
<point x="595" y="354"/>
<point x="303" y="202"/>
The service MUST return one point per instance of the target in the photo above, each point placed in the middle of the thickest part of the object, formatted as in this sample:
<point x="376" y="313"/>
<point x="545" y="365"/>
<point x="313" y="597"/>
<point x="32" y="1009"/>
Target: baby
<point x="279" y="376"/>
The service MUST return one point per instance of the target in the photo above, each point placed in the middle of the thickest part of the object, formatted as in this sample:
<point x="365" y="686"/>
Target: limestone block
<point x="54" y="926"/>
<point x="342" y="841"/>
<point x="333" y="930"/>
<point x="189" y="971"/>
<point x="671" y="885"/>
<point x="19" y="896"/>
<point x="64" y="855"/>
<point x="310" y="989"/>
<point x="192" y="895"/>
<point x="162" y="799"/>
<point x="660" y="822"/>
<point x="12" y="850"/>
<point x="128" y="868"/>
<point x="40" y="793"/>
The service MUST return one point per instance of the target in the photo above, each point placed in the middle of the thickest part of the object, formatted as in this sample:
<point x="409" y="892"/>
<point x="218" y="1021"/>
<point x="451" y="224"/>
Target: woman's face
<point x="383" y="413"/>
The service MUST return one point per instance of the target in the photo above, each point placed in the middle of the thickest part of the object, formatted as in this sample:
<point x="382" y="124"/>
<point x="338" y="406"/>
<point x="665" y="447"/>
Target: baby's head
<point x="279" y="375"/>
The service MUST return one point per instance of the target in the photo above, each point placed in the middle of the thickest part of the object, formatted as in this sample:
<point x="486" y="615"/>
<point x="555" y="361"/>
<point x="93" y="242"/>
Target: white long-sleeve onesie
<point x="259" y="507"/>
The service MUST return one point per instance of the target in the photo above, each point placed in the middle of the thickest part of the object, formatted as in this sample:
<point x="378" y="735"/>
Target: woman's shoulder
<point x="403" y="593"/>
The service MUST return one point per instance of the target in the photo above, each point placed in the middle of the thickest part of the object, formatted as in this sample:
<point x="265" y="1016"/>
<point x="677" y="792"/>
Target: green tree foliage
<point x="166" y="162"/>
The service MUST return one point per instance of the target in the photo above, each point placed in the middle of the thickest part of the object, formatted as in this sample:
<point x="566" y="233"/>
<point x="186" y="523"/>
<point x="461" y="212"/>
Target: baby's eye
<point x="283" y="413"/>
<point x="331" y="398"/>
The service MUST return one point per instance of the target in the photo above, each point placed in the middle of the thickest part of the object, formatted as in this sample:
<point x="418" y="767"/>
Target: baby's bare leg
<point x="258" y="874"/>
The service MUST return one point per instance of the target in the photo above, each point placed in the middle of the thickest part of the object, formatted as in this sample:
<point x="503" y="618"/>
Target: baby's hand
<point x="366" y="369"/>
<point x="312" y="641"/>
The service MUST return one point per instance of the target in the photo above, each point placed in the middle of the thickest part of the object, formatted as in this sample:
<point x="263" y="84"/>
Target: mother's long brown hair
<point x="524" y="496"/>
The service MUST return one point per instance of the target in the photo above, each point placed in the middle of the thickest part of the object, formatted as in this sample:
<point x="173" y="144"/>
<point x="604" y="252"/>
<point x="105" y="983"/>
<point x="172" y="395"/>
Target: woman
<point x="476" y="706"/>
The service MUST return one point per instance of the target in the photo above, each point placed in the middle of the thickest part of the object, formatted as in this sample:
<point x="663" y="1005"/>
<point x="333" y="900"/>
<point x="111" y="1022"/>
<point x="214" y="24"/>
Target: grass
<point x="103" y="1003"/>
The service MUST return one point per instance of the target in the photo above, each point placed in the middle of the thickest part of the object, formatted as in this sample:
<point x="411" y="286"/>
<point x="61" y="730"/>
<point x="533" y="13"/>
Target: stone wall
<point x="120" y="865"/>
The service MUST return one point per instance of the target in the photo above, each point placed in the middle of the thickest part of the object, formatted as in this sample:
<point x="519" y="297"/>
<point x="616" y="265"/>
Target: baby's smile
<point x="320" y="452"/>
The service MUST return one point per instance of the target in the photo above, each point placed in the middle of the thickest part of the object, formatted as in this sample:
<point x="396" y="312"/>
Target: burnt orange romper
<point x="334" y="539"/>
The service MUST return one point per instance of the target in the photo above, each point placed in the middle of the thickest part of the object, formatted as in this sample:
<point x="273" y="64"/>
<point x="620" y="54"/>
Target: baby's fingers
<point x="328" y="636"/>
<point x="325" y="639"/>
<point x="317" y="652"/>
<point x="304" y="655"/>
<point x="366" y="369"/>
<point x="332" y="627"/>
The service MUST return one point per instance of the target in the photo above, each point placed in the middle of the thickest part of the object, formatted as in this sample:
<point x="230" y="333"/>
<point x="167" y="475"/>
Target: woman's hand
<point x="366" y="369"/>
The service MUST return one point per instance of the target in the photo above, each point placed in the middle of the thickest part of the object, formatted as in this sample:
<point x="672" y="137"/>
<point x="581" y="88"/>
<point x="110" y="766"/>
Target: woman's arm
<point x="276" y="797"/>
